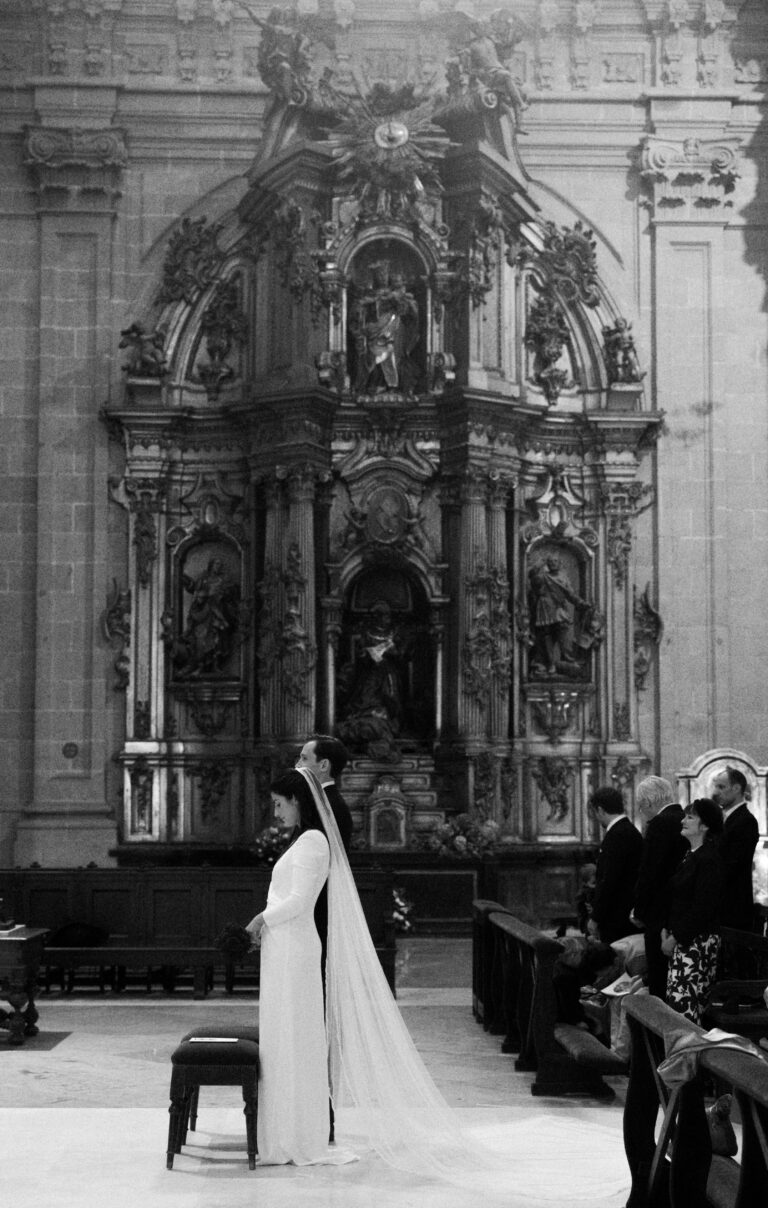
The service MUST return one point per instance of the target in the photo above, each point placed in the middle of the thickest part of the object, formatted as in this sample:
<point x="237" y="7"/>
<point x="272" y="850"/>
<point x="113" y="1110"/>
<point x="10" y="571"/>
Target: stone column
<point x="76" y="171"/>
<point x="690" y="180"/>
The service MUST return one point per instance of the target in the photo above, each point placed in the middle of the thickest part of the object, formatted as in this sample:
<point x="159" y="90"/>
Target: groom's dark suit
<point x="344" y="822"/>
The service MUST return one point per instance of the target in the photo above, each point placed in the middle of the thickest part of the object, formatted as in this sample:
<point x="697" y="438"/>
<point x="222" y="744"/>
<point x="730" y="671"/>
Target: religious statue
<point x="385" y="325"/>
<point x="372" y="689"/>
<point x="620" y="353"/>
<point x="552" y="604"/>
<point x="146" y="354"/>
<point x="212" y="620"/>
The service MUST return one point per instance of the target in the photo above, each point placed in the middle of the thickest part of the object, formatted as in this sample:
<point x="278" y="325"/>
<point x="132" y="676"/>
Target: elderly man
<point x="663" y="850"/>
<point x="737" y="849"/>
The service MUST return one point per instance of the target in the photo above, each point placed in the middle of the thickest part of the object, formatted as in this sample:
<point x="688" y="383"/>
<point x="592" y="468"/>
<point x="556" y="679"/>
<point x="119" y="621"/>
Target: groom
<point x="327" y="757"/>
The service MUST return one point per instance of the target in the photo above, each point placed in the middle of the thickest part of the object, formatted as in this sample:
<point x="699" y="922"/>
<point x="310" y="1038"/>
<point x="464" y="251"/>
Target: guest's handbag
<point x="721" y="1133"/>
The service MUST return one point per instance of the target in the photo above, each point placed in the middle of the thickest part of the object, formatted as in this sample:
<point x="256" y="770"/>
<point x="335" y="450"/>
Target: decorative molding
<point x="116" y="627"/>
<point x="191" y="261"/>
<point x="83" y="164"/>
<point x="621" y="503"/>
<point x="213" y="777"/>
<point x="486" y="654"/>
<point x="224" y="325"/>
<point x="145" y="498"/>
<point x="622" y="728"/>
<point x="553" y="776"/>
<point x="648" y="631"/>
<point x="141" y="778"/>
<point x="553" y="713"/>
<point x="691" y="175"/>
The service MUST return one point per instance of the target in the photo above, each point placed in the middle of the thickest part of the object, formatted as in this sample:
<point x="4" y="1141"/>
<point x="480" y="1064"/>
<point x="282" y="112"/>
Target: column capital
<point x="76" y="168"/>
<point x="690" y="180"/>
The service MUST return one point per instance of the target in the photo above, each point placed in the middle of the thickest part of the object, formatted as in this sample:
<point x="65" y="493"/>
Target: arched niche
<point x="385" y="699"/>
<point x="387" y="307"/>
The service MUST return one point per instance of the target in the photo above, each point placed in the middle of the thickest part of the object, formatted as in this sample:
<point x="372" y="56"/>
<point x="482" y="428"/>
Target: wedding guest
<point x="691" y="939"/>
<point x="663" y="849"/>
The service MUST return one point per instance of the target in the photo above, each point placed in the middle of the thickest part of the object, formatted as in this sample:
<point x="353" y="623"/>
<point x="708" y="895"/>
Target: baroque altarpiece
<point x="380" y="453"/>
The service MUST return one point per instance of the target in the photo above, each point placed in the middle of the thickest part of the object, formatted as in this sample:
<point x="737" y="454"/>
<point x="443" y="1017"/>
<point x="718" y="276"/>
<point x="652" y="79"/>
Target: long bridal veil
<point x="375" y="1068"/>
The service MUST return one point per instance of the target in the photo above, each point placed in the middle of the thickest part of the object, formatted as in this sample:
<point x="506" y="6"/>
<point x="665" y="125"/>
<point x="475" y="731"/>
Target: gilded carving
<point x="141" y="777"/>
<point x="648" y="630"/>
<point x="142" y="719"/>
<point x="620" y="353"/>
<point x="547" y="335"/>
<point x="622" y="728"/>
<point x="191" y="261"/>
<point x="224" y="325"/>
<point x="116" y="626"/>
<point x="146" y="351"/>
<point x="486" y="655"/>
<point x="213" y="778"/>
<point x="479" y="74"/>
<point x="145" y="497"/>
<point x="553" y="776"/>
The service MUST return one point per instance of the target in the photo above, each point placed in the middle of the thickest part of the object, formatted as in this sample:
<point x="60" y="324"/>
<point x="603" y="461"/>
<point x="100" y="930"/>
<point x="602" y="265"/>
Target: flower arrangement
<point x="464" y="836"/>
<point x="270" y="844"/>
<point x="401" y="910"/>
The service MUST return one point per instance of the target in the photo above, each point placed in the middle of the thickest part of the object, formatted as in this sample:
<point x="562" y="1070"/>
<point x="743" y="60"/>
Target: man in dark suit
<point x="617" y="866"/>
<point x="737" y="849"/>
<point x="663" y="851"/>
<point x="327" y="757"/>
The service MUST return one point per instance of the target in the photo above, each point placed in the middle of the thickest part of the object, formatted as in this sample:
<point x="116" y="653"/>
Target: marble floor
<point x="83" y="1107"/>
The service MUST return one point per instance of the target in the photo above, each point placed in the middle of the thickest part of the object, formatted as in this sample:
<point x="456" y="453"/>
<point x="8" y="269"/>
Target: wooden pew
<point x="565" y="1058"/>
<point x="164" y="920"/>
<point x="679" y="1170"/>
<point x="737" y="1005"/>
<point x="486" y="973"/>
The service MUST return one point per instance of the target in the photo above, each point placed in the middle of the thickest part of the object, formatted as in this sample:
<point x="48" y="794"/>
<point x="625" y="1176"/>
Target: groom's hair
<point x="332" y="749"/>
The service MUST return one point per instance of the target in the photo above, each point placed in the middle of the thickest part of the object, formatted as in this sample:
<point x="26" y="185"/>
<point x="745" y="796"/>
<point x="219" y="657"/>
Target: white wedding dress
<point x="293" y="1119"/>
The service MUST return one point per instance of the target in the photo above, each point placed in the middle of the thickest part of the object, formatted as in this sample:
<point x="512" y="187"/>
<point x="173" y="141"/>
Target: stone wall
<point x="647" y="121"/>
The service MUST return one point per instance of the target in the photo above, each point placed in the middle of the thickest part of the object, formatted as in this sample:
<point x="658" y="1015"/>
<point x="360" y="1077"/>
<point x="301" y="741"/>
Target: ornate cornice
<point x="79" y="168"/>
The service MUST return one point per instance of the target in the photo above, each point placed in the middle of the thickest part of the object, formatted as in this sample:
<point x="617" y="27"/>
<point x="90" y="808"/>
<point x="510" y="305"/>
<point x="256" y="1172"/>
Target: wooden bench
<point x="673" y="1164"/>
<point x="565" y="1058"/>
<point x="161" y="922"/>
<point x="737" y="1004"/>
<point x="487" y="1005"/>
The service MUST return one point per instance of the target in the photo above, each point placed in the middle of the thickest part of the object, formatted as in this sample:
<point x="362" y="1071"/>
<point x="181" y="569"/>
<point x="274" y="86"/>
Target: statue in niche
<point x="371" y="688"/>
<point x="385" y="329"/>
<point x="211" y="624"/>
<point x="564" y="625"/>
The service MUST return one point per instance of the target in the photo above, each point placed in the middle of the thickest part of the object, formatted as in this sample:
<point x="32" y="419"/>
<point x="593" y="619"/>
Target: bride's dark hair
<point x="293" y="784"/>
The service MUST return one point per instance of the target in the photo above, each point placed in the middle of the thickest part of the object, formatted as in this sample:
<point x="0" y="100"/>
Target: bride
<point x="361" y="1052"/>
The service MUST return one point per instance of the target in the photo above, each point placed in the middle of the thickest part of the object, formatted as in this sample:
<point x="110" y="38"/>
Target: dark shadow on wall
<point x="750" y="55"/>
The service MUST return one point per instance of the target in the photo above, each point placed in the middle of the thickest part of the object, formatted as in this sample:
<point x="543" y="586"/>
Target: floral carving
<point x="223" y="325"/>
<point x="116" y="626"/>
<point x="141" y="777"/>
<point x="552" y="714"/>
<point x="142" y="719"/>
<point x="546" y="334"/>
<point x="486" y="657"/>
<point x="213" y="778"/>
<point x="649" y="628"/>
<point x="567" y="262"/>
<point x="622" y="729"/>
<point x="553" y="776"/>
<point x="145" y="501"/>
<point x="191" y="261"/>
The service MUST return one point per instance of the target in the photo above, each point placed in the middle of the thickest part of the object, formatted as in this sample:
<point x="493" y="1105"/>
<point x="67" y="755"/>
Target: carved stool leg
<point x="250" y="1096"/>
<point x="193" y="1101"/>
<point x="175" y="1112"/>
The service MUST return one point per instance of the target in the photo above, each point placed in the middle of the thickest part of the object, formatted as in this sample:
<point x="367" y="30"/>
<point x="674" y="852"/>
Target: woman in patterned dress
<point x="691" y="938"/>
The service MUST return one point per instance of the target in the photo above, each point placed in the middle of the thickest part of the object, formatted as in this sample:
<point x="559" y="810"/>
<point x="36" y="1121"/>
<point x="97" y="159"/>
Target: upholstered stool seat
<point x="213" y="1057"/>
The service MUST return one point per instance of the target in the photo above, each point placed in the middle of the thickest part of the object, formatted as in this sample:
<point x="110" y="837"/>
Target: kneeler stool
<point x="213" y="1057"/>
